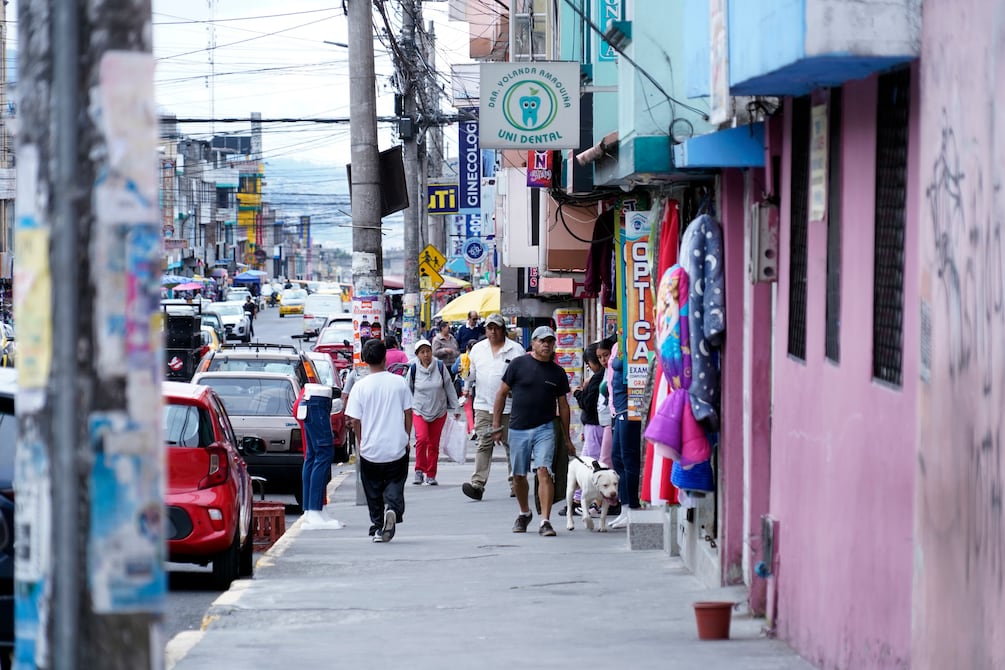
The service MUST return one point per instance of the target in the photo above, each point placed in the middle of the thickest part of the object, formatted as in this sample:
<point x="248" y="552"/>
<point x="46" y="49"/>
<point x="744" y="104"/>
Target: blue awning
<point x="741" y="147"/>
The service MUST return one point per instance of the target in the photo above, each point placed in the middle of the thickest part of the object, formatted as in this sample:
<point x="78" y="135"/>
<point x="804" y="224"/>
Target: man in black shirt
<point x="251" y="309"/>
<point x="537" y="383"/>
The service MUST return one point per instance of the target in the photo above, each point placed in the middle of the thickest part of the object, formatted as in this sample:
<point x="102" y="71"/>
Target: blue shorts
<point x="538" y="443"/>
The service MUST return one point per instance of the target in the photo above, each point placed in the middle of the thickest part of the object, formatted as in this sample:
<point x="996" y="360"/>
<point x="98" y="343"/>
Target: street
<point x="190" y="587"/>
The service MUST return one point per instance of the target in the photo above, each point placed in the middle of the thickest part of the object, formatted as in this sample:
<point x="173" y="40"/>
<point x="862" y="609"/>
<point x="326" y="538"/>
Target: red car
<point x="335" y="339"/>
<point x="208" y="496"/>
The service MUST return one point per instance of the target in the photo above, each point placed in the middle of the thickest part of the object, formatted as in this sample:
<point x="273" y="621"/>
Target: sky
<point x="271" y="57"/>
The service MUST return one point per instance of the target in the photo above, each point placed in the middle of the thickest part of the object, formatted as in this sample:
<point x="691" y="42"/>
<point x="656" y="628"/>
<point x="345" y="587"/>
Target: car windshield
<point x="294" y="294"/>
<point x="251" y="396"/>
<point x="187" y="426"/>
<point x="235" y="363"/>
<point x="227" y="308"/>
<point x="336" y="333"/>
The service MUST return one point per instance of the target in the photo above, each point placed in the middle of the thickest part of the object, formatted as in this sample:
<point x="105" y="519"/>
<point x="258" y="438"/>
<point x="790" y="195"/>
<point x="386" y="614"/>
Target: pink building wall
<point x="959" y="578"/>
<point x="843" y="445"/>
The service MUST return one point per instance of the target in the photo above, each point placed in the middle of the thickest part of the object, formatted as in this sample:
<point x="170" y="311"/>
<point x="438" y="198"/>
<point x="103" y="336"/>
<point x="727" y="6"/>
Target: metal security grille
<point x="799" y="213"/>
<point x="892" y="114"/>
<point x="832" y="338"/>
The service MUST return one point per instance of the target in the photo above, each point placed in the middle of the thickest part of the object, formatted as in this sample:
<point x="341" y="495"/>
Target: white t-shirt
<point x="486" y="372"/>
<point x="379" y="401"/>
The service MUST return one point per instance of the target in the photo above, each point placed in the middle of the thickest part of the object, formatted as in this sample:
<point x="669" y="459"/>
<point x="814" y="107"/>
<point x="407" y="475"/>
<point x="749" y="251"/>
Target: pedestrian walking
<point x="538" y="385"/>
<point x="445" y="346"/>
<point x="588" y="399"/>
<point x="471" y="331"/>
<point x="394" y="353"/>
<point x="380" y="409"/>
<point x="251" y="309"/>
<point x="489" y="359"/>
<point x="626" y="453"/>
<point x="433" y="396"/>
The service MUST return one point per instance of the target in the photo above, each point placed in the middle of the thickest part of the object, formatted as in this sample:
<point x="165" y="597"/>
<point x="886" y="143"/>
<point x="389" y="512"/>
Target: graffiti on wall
<point x="970" y="271"/>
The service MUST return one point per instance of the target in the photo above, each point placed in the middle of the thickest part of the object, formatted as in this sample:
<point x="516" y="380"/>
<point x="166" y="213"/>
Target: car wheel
<point x="281" y="315"/>
<point x="246" y="339"/>
<point x="226" y="565"/>
<point x="247" y="566"/>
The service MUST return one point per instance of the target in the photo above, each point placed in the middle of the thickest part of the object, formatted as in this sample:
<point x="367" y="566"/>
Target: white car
<point x="318" y="309"/>
<point x="238" y="295"/>
<point x="236" y="324"/>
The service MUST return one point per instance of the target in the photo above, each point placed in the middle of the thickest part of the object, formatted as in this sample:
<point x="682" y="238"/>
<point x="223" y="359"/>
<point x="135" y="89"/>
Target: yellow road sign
<point x="432" y="257"/>
<point x="429" y="278"/>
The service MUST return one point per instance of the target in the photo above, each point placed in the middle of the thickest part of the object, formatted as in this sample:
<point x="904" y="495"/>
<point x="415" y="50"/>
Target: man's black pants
<point x="384" y="487"/>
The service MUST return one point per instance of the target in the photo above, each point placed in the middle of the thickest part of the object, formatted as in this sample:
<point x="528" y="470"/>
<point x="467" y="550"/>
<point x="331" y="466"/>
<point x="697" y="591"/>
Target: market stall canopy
<point x="171" y="280"/>
<point x="189" y="286"/>
<point x="485" y="301"/>
<point x="449" y="283"/>
<point x="249" y="276"/>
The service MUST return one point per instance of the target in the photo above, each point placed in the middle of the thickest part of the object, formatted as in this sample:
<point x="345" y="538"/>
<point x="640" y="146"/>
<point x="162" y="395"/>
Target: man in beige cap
<point x="489" y="359"/>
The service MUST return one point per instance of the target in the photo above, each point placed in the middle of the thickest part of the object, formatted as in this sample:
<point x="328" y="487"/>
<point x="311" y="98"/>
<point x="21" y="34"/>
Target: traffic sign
<point x="429" y="278"/>
<point x="432" y="257"/>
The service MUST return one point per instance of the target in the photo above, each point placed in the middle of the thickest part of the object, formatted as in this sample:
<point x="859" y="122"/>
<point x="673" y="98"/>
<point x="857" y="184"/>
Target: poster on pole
<point x="367" y="320"/>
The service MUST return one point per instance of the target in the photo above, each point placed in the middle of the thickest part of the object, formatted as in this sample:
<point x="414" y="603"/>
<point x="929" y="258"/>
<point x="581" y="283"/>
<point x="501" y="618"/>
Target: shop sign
<point x="539" y="170"/>
<point x="469" y="152"/>
<point x="441" y="198"/>
<point x="638" y="309"/>
<point x="532" y="105"/>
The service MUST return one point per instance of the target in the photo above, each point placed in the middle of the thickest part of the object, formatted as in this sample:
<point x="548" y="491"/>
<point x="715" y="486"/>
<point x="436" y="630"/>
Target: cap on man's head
<point x="495" y="320"/>
<point x="420" y="344"/>
<point x="543" y="333"/>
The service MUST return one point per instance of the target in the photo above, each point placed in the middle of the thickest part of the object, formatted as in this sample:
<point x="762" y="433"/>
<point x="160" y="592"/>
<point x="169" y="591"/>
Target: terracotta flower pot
<point x="713" y="619"/>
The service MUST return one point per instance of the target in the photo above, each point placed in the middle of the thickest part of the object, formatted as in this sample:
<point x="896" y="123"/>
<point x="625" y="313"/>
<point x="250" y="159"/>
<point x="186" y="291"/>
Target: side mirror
<point x="252" y="444"/>
<point x="345" y="343"/>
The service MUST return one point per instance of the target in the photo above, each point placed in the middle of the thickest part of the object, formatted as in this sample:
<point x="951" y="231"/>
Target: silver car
<point x="260" y="404"/>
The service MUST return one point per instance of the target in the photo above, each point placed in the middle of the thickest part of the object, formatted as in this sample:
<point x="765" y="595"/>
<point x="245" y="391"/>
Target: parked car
<point x="292" y="301"/>
<point x="261" y="404"/>
<point x="210" y="342"/>
<point x="8" y="440"/>
<point x="335" y="339"/>
<point x="237" y="294"/>
<point x="208" y="494"/>
<point x="261" y="357"/>
<point x="213" y="320"/>
<point x="8" y="345"/>
<point x="235" y="321"/>
<point x="328" y="375"/>
<point x="318" y="308"/>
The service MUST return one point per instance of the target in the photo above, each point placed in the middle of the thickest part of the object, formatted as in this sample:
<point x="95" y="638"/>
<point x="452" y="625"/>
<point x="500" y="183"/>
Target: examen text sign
<point x="529" y="105"/>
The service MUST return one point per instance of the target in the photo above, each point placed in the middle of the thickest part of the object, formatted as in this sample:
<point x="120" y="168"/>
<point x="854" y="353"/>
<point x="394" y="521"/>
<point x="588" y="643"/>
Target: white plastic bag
<point x="454" y="439"/>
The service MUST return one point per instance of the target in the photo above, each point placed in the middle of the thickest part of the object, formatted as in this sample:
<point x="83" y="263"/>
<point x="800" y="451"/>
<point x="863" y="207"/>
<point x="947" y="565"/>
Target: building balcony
<point x="792" y="47"/>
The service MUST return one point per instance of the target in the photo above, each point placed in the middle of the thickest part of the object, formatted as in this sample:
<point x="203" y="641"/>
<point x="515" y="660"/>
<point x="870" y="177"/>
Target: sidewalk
<point x="456" y="588"/>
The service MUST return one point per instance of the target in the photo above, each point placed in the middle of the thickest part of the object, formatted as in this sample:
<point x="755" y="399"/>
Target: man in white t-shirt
<point x="380" y="409"/>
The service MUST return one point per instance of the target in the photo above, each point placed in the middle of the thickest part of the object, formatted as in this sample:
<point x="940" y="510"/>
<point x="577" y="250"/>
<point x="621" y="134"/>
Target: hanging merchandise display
<point x="569" y="356"/>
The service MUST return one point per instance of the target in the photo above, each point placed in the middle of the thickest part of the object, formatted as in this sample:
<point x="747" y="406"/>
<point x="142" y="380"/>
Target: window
<point x="832" y="342"/>
<point x="799" y="212"/>
<point x="892" y="116"/>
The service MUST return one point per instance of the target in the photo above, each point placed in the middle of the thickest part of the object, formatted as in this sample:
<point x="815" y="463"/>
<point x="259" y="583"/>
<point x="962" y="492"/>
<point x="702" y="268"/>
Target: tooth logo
<point x="530" y="105"/>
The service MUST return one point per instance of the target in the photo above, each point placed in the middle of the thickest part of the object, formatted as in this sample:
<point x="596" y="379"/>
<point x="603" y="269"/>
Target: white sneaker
<point x="315" y="520"/>
<point x="620" y="522"/>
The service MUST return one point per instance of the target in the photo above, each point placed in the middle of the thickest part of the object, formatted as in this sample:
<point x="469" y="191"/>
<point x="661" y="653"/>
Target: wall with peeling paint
<point x="843" y="445"/>
<point x="959" y="569"/>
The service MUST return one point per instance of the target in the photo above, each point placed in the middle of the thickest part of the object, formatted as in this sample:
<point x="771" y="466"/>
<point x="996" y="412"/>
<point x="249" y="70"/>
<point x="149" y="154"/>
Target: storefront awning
<point x="741" y="147"/>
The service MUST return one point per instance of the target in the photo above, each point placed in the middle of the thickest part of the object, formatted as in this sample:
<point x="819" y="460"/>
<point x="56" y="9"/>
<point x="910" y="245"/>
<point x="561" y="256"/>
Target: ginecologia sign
<point x="529" y="105"/>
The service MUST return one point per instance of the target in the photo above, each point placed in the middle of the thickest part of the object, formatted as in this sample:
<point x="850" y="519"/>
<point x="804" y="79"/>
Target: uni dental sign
<point x="533" y="105"/>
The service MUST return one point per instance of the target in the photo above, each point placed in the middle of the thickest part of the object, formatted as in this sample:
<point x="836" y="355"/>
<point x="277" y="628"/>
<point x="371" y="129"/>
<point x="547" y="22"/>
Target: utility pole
<point x="90" y="581"/>
<point x="364" y="187"/>
<point x="410" y="90"/>
<point x="435" y="225"/>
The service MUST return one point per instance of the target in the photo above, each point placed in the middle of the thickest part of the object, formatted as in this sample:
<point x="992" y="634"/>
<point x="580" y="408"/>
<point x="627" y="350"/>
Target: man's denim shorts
<point x="538" y="443"/>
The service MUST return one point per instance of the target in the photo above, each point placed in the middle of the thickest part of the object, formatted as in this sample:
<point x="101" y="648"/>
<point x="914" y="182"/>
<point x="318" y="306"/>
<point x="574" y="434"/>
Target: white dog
<point x="598" y="484"/>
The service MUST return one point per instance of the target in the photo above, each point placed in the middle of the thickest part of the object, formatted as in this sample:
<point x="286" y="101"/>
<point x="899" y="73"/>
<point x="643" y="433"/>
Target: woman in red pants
<point x="433" y="395"/>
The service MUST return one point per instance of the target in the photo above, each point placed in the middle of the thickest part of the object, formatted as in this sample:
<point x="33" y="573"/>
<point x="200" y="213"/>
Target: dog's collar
<point x="593" y="464"/>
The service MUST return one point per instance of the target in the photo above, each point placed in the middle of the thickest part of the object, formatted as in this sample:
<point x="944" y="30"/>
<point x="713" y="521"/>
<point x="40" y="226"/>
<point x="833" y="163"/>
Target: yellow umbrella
<point x="485" y="301"/>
